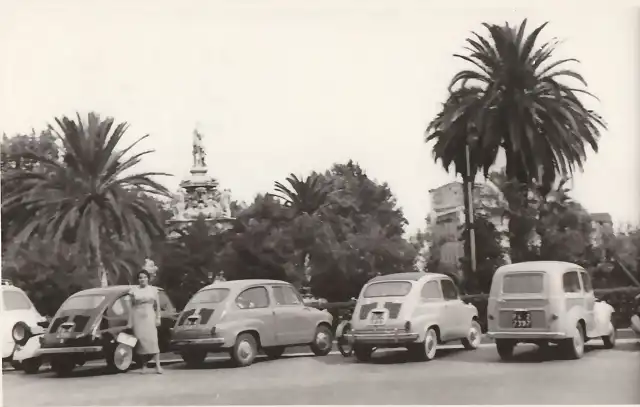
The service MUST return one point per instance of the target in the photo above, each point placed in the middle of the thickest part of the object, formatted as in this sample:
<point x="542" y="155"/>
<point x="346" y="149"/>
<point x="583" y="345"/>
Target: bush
<point x="621" y="299"/>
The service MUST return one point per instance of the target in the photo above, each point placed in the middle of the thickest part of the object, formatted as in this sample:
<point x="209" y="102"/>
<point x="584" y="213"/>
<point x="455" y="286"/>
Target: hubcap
<point x="474" y="336"/>
<point x="244" y="350"/>
<point x="430" y="343"/>
<point x="122" y="357"/>
<point x="322" y="340"/>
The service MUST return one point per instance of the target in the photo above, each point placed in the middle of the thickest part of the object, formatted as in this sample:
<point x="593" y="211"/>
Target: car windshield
<point x="15" y="300"/>
<point x="388" y="289"/>
<point x="522" y="283"/>
<point x="82" y="302"/>
<point x="214" y="295"/>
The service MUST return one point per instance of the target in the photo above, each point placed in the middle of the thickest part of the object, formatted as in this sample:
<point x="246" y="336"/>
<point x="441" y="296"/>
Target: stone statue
<point x="213" y="209"/>
<point x="179" y="205"/>
<point x="225" y="203"/>
<point x="198" y="150"/>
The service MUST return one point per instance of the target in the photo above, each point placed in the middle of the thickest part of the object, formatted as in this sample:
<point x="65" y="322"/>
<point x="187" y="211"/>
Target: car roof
<point x="548" y="266"/>
<point x="235" y="284"/>
<point x="411" y="276"/>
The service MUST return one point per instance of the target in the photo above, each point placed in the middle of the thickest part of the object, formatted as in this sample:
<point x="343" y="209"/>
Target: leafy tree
<point x="514" y="100"/>
<point x="86" y="198"/>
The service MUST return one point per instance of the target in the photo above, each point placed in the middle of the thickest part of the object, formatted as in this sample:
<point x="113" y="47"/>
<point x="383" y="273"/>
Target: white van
<point x="546" y="302"/>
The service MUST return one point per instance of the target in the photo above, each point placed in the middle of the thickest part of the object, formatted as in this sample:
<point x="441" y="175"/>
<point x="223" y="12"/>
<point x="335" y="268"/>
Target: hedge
<point x="621" y="299"/>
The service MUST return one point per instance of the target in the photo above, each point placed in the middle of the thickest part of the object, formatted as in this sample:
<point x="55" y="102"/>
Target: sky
<point x="280" y="87"/>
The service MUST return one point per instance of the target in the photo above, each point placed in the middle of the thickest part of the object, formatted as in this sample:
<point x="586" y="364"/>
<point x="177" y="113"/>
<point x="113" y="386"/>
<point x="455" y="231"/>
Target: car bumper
<point x="69" y="350"/>
<point x="527" y="335"/>
<point x="382" y="338"/>
<point x="200" y="343"/>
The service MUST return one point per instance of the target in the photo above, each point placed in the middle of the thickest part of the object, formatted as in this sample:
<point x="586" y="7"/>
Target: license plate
<point x="377" y="318"/>
<point x="127" y="339"/>
<point x="521" y="319"/>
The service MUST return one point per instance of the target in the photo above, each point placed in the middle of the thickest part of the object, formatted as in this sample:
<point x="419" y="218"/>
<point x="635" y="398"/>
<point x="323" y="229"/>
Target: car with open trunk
<point x="414" y="310"/>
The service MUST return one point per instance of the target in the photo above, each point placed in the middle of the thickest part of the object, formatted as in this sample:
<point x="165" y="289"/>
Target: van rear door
<point x="523" y="302"/>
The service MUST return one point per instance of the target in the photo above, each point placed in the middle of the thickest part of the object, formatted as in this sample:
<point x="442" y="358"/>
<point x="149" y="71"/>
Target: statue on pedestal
<point x="199" y="154"/>
<point x="225" y="203"/>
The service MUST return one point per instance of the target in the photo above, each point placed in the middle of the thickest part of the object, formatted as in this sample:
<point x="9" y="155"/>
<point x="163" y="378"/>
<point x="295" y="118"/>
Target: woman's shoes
<point x="159" y="370"/>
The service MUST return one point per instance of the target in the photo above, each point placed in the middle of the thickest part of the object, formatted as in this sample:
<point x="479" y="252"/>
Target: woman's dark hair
<point x="145" y="272"/>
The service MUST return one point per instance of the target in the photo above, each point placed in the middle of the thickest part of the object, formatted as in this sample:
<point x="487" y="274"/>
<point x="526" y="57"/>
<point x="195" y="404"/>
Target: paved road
<point x="456" y="376"/>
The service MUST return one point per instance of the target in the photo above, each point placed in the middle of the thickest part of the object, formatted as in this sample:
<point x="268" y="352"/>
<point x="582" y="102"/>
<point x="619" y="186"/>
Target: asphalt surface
<point x="456" y="376"/>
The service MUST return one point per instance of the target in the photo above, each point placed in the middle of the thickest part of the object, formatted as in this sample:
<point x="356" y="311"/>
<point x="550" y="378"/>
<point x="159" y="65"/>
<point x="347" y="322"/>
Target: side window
<point x="251" y="298"/>
<point x="431" y="291"/>
<point x="165" y="302"/>
<point x="571" y="282"/>
<point x="15" y="300"/>
<point x="449" y="290"/>
<point x="586" y="282"/>
<point x="285" y="295"/>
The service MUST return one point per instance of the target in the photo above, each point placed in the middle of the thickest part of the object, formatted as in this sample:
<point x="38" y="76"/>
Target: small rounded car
<point x="545" y="302"/>
<point x="242" y="317"/>
<point x="414" y="310"/>
<point x="20" y="322"/>
<point x="635" y="318"/>
<point x="92" y="325"/>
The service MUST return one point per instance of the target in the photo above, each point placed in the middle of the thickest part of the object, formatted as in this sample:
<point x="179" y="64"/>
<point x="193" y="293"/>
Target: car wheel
<point x="322" y="341"/>
<point x="16" y="365"/>
<point x="274" y="352"/>
<point x="193" y="358"/>
<point x="120" y="359"/>
<point x="573" y="348"/>
<point x="363" y="352"/>
<point x="62" y="366"/>
<point x="245" y="350"/>
<point x="426" y="350"/>
<point x="474" y="336"/>
<point x="505" y="348"/>
<point x="31" y="366"/>
<point x="610" y="340"/>
<point x="344" y="346"/>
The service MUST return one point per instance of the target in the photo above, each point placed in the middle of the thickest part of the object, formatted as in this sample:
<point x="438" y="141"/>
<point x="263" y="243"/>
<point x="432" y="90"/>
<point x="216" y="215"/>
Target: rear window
<point x="523" y="283"/>
<point x="15" y="300"/>
<point x="212" y="296"/>
<point x="388" y="289"/>
<point x="82" y="302"/>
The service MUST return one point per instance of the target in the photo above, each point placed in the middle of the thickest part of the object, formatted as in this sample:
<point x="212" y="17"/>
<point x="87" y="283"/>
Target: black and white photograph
<point x="306" y="202"/>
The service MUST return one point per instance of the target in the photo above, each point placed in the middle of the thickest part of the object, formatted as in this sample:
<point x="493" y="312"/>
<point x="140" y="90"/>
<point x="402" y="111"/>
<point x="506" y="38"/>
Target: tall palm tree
<point x="515" y="99"/>
<point x="303" y="196"/>
<point x="89" y="197"/>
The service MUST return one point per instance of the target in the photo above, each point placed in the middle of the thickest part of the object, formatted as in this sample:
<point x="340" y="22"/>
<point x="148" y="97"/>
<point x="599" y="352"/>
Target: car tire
<point x="322" y="341"/>
<point x="32" y="365"/>
<point x="573" y="348"/>
<point x="363" y="352"/>
<point x="193" y="358"/>
<point x="344" y="346"/>
<point x="505" y="348"/>
<point x="474" y="336"/>
<point x="244" y="351"/>
<point x="15" y="364"/>
<point x="426" y="350"/>
<point x="610" y="340"/>
<point x="62" y="366"/>
<point x="274" y="352"/>
<point x="120" y="359"/>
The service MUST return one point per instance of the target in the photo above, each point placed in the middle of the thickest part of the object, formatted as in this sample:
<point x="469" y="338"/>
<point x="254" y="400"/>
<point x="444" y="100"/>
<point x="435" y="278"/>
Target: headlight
<point x="21" y="333"/>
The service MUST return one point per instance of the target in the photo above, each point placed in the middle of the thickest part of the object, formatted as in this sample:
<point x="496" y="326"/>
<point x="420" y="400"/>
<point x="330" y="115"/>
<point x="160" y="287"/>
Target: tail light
<point x="213" y="330"/>
<point x="407" y="326"/>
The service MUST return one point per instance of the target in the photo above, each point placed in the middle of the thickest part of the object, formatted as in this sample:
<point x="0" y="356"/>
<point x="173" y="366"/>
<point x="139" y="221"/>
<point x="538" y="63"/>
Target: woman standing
<point x="145" y="320"/>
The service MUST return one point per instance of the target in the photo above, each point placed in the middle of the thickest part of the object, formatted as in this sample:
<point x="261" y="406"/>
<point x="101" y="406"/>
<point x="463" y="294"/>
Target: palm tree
<point x="514" y="100"/>
<point x="304" y="196"/>
<point x="90" y="197"/>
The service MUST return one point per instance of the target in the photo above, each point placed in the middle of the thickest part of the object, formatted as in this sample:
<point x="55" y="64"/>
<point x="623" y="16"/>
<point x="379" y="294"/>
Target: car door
<point x="453" y="312"/>
<point x="255" y="306"/>
<point x="573" y="294"/>
<point x="294" y="324"/>
<point x="432" y="304"/>
<point x="589" y="300"/>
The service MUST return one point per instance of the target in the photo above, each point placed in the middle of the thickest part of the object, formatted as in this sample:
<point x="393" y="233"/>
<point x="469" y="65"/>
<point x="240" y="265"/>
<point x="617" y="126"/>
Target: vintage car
<point x="544" y="302"/>
<point x="87" y="327"/>
<point x="20" y="322"/>
<point x="413" y="310"/>
<point x="635" y="318"/>
<point x="242" y="317"/>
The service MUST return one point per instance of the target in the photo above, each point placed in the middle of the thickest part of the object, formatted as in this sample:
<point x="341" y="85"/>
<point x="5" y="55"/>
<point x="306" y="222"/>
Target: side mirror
<point x="44" y="324"/>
